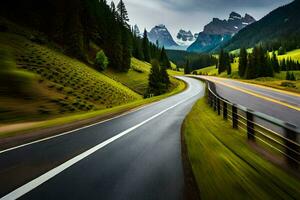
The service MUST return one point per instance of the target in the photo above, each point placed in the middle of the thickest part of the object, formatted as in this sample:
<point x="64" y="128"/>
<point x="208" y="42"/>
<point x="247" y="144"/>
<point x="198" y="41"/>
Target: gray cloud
<point x="193" y="14"/>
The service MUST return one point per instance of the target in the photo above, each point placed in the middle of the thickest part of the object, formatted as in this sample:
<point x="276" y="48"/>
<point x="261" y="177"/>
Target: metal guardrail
<point x="260" y="128"/>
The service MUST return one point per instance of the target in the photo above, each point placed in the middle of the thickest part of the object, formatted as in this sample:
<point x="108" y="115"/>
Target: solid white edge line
<point x="81" y="128"/>
<point x="84" y="127"/>
<point x="17" y="193"/>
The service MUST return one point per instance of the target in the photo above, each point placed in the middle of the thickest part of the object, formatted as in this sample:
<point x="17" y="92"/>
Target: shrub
<point x="101" y="61"/>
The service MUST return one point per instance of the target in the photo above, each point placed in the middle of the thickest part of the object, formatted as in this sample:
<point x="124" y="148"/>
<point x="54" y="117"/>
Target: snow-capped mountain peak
<point x="161" y="34"/>
<point x="185" y="38"/>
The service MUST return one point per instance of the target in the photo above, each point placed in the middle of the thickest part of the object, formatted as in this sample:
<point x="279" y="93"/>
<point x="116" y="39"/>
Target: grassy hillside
<point x="62" y="85"/>
<point x="137" y="77"/>
<point x="281" y="25"/>
<point x="295" y="55"/>
<point x="225" y="166"/>
<point x="278" y="81"/>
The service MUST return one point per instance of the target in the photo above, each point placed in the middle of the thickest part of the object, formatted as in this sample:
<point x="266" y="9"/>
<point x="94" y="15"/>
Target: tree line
<point x="259" y="63"/>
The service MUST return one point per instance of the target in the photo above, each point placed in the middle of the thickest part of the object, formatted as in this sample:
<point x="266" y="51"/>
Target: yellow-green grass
<point x="225" y="166"/>
<point x="65" y="85"/>
<point x="179" y="86"/>
<point x="62" y="89"/>
<point x="278" y="81"/>
<point x="213" y="71"/>
<point x="237" y="51"/>
<point x="295" y="55"/>
<point x="137" y="76"/>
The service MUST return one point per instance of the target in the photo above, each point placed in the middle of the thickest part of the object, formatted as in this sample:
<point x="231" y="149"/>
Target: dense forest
<point x="194" y="60"/>
<point x="83" y="27"/>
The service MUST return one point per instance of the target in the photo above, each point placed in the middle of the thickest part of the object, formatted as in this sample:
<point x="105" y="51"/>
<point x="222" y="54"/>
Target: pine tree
<point x="288" y="76"/>
<point x="187" y="69"/>
<point x="292" y="77"/>
<point x="221" y="62"/>
<point x="123" y="14"/>
<point x="126" y="50"/>
<point x="113" y="10"/>
<point x="243" y="61"/>
<point x="283" y="65"/>
<point x="251" y="71"/>
<point x="145" y="47"/>
<point x="154" y="85"/>
<point x="275" y="63"/>
<point x="164" y="76"/>
<point x="228" y="63"/>
<point x="158" y="79"/>
<point x="164" y="60"/>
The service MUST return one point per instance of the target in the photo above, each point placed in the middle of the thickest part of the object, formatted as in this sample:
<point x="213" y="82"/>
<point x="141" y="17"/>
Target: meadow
<point x="278" y="81"/>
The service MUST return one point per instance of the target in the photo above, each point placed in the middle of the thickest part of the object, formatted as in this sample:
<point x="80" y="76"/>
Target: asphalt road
<point x="134" y="156"/>
<point x="280" y="105"/>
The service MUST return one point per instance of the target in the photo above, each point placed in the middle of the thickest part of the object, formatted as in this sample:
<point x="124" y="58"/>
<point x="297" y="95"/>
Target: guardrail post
<point x="219" y="106"/>
<point x="215" y="103"/>
<point x="250" y="126"/>
<point x="292" y="157"/>
<point x="234" y="117"/>
<point x="224" y="110"/>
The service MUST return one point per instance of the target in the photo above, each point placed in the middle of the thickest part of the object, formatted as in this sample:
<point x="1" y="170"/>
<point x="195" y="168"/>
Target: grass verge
<point x="225" y="166"/>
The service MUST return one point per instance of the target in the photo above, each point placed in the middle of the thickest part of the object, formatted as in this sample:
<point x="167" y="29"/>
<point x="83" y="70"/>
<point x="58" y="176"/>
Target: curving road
<point x="282" y="105"/>
<point x="133" y="156"/>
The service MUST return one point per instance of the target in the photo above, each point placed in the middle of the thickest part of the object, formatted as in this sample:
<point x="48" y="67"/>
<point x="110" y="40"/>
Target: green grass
<point x="224" y="165"/>
<point x="60" y="89"/>
<point x="180" y="86"/>
<point x="295" y="55"/>
<point x="65" y="85"/>
<point x="137" y="77"/>
<point x="278" y="81"/>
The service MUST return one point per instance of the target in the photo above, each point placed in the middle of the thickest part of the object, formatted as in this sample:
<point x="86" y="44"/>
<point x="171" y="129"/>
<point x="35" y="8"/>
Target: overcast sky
<point x="192" y="14"/>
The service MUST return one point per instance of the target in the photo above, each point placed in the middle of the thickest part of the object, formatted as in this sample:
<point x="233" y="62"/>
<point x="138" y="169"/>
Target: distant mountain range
<point x="218" y="32"/>
<point x="280" y="26"/>
<point x="214" y="34"/>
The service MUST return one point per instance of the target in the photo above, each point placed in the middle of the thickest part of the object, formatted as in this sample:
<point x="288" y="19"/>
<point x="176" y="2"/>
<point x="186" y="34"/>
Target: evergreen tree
<point x="187" y="69"/>
<point x="292" y="77"/>
<point x="222" y="62"/>
<point x="145" y="47"/>
<point x="123" y="14"/>
<point x="275" y="63"/>
<point x="164" y="76"/>
<point x="228" y="63"/>
<point x="164" y="60"/>
<point x="158" y="79"/>
<point x="288" y="76"/>
<point x="283" y="65"/>
<point x="251" y="71"/>
<point x="154" y="79"/>
<point x="243" y="61"/>
<point x="113" y="10"/>
<point x="281" y="51"/>
<point x="126" y="50"/>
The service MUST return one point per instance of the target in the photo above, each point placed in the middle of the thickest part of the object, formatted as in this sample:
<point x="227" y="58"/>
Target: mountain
<point x="161" y="34"/>
<point x="137" y="31"/>
<point x="185" y="38"/>
<point x="219" y="31"/>
<point x="281" y="25"/>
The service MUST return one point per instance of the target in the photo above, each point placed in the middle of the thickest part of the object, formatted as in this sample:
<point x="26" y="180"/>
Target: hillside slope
<point x="60" y="84"/>
<point x="282" y="25"/>
<point x="137" y="77"/>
